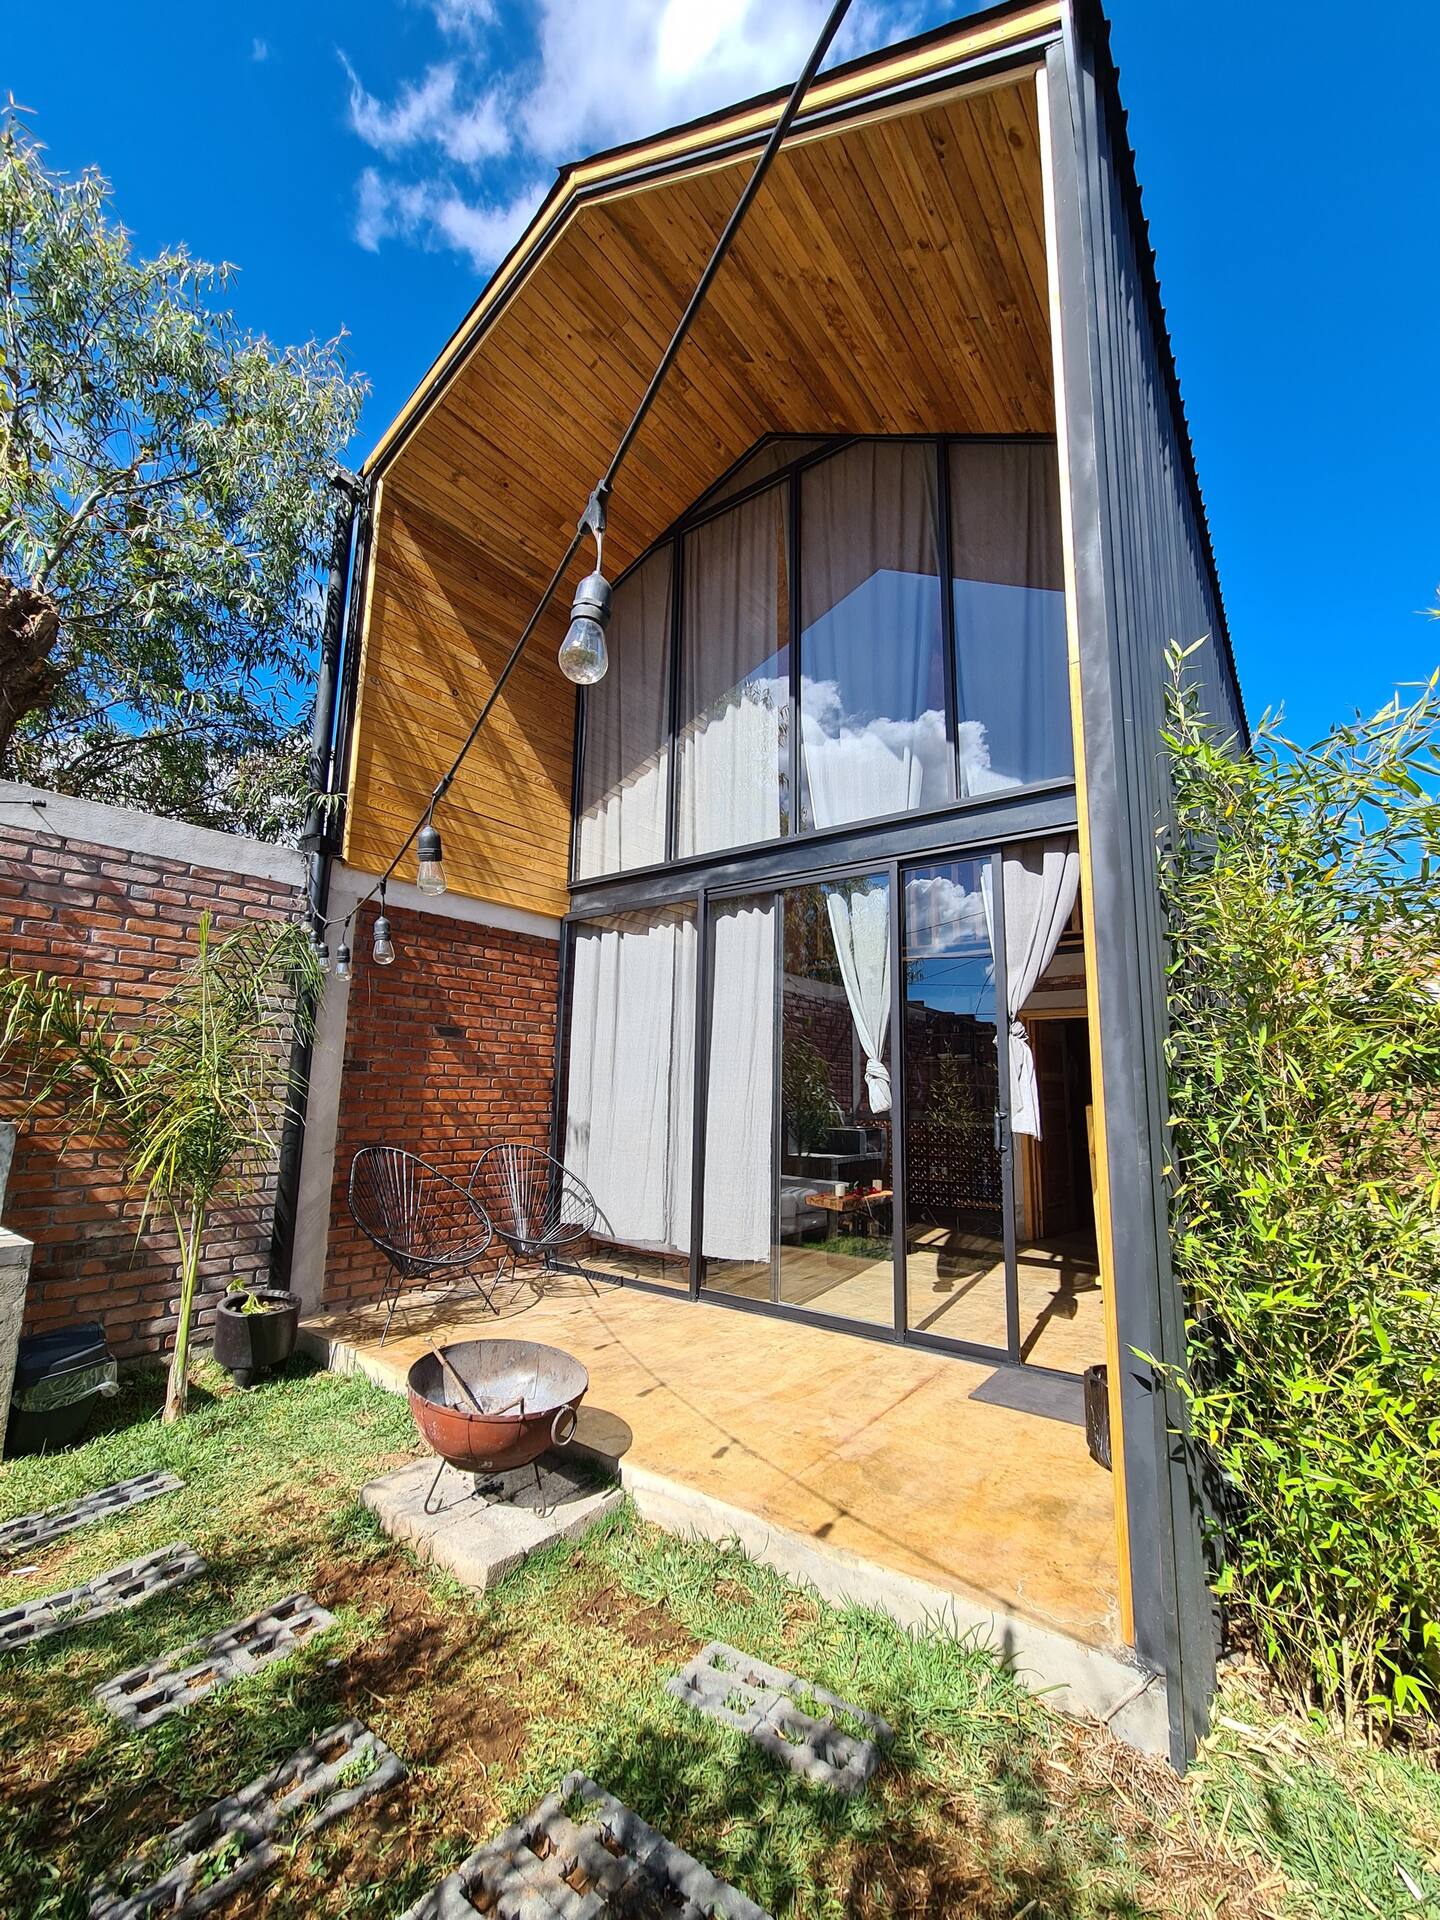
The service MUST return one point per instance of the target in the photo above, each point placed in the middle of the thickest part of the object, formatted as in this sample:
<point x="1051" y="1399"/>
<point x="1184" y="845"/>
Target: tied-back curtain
<point x="735" y="680"/>
<point x="632" y="1074"/>
<point x="1039" y="885"/>
<point x="740" y="1093"/>
<point x="860" y="927"/>
<point x="1011" y="679"/>
<point x="627" y="731"/>
<point x="872" y="658"/>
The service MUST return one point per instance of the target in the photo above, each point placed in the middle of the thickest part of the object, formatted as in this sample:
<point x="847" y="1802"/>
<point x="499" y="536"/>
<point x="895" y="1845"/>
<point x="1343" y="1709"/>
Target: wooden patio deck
<point x="871" y="1452"/>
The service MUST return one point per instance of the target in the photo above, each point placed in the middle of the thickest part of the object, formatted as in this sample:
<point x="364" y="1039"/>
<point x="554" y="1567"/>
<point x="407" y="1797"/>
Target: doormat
<point x="815" y="1733"/>
<point x="581" y="1855"/>
<point x="1024" y="1390"/>
<point x="31" y="1530"/>
<point x="198" y="1865"/>
<point x="124" y="1586"/>
<point x="146" y="1694"/>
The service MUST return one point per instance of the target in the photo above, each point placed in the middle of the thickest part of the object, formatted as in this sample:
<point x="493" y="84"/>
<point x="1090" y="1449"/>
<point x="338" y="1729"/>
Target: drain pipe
<point x="317" y="841"/>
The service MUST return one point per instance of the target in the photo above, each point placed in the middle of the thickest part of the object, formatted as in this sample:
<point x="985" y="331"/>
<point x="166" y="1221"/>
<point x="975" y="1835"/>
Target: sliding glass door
<point x="880" y="1075"/>
<point x="959" y="1188"/>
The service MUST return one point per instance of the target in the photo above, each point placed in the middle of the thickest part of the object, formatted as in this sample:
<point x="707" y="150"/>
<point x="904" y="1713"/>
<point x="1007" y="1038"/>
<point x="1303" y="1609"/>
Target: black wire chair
<point x="423" y="1222"/>
<point x="537" y="1206"/>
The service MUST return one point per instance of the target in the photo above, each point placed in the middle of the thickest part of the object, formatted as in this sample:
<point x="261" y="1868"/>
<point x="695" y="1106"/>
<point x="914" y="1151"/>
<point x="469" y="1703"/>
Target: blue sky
<point x="364" y="163"/>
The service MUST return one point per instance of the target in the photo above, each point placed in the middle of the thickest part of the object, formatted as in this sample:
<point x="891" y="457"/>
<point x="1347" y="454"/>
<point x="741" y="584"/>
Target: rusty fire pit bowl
<point x="529" y="1394"/>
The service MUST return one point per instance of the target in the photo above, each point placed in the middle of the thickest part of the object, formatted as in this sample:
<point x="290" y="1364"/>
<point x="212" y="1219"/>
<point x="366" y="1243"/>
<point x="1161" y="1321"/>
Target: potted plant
<point x="255" y="1329"/>
<point x="194" y="1098"/>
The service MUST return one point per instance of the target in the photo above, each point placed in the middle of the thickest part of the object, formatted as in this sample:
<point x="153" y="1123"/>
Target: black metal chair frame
<point x="411" y="1261"/>
<point x="523" y="1233"/>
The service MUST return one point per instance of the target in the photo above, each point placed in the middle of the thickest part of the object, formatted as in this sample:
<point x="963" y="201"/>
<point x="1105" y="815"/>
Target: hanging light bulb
<point x="430" y="876"/>
<point x="319" y="949"/>
<point x="383" y="951"/>
<point x="343" y="968"/>
<point x="583" y="655"/>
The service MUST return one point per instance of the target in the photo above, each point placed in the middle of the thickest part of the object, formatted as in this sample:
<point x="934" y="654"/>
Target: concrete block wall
<point x="108" y="899"/>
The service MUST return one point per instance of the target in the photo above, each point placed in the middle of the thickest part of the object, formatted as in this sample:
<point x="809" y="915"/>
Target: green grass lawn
<point x="989" y="1805"/>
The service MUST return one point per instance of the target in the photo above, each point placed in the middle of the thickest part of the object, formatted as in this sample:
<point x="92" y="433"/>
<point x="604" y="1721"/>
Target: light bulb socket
<point x="428" y="848"/>
<point x="592" y="600"/>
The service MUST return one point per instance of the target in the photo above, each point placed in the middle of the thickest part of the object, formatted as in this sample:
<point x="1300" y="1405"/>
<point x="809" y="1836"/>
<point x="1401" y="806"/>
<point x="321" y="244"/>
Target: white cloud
<point x="463" y="18"/>
<point x="259" y="49"/>
<point x="654" y="65"/>
<point x="487" y="233"/>
<point x="431" y="111"/>
<point x="430" y="215"/>
<point x="466" y="144"/>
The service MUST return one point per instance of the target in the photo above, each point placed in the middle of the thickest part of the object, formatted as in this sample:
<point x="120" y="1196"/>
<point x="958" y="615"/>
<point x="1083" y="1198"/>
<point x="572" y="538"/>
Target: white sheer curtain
<point x="740" y="1093"/>
<point x="627" y="731"/>
<point x="735" y="678"/>
<point x="629" y="1104"/>
<point x="860" y="926"/>
<point x="1039" y="885"/>
<point x="1011" y="677"/>
<point x="872" y="694"/>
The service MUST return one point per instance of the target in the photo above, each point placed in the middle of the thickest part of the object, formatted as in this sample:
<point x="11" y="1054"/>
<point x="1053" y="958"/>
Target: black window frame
<point x="793" y="829"/>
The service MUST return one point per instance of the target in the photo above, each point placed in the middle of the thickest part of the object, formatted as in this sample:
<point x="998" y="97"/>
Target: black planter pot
<point x="247" y="1343"/>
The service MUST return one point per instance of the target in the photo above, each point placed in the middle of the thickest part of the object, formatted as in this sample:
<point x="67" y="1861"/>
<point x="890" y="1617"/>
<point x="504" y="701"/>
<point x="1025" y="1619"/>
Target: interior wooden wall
<point x="890" y="279"/>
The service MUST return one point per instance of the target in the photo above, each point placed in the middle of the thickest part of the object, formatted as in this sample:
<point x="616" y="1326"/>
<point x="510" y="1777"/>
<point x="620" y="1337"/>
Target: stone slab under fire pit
<point x="479" y="1526"/>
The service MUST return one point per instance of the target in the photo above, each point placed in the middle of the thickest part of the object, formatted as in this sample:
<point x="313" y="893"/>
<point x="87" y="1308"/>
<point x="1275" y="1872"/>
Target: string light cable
<point x="583" y="657"/>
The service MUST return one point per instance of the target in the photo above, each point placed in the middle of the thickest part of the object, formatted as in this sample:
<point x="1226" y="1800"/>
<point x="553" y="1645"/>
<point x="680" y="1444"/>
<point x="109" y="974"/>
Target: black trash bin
<point x="59" y="1378"/>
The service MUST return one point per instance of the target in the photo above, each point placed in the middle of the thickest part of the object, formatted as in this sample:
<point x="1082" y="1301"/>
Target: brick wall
<point x="447" y="1051"/>
<point x="119" y="923"/>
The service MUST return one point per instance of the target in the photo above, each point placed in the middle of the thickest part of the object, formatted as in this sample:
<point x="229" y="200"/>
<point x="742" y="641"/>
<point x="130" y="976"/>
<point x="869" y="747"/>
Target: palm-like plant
<point x="194" y="1098"/>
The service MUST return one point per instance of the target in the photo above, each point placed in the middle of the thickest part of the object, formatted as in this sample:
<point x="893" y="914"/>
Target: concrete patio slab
<point x="480" y="1526"/>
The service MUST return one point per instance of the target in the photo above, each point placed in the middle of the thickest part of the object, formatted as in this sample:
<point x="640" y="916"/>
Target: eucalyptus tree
<point x="192" y="1100"/>
<point x="164" y="510"/>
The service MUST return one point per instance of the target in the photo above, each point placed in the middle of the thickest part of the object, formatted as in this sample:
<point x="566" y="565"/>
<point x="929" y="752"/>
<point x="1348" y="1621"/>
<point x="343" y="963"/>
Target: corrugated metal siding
<point x="1145" y="579"/>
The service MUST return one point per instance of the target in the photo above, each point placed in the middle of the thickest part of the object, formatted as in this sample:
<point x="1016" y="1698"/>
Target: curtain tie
<point x="877" y="1085"/>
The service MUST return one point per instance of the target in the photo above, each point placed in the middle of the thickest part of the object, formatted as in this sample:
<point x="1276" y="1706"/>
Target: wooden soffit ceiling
<point x="890" y="278"/>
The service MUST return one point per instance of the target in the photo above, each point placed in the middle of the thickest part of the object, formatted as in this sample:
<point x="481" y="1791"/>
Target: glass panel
<point x="630" y="1077"/>
<point x="954" y="1185"/>
<point x="627" y="731"/>
<point x="769" y="459"/>
<point x="734" y="744"/>
<point x="740" y="1100"/>
<point x="1057" y="1263"/>
<point x="836" y="1247"/>
<point x="1011" y="677"/>
<point x="872" y="655"/>
<point x="798" y="1206"/>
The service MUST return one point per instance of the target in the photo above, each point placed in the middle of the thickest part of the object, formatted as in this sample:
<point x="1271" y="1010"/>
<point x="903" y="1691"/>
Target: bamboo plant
<point x="193" y="1099"/>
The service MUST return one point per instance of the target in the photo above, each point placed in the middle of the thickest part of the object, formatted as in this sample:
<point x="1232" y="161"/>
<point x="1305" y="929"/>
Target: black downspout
<point x="317" y="841"/>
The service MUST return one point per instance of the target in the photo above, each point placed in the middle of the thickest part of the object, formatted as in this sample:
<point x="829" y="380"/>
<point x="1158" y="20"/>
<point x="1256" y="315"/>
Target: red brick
<point x="123" y="923"/>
